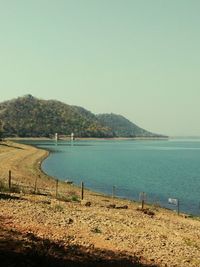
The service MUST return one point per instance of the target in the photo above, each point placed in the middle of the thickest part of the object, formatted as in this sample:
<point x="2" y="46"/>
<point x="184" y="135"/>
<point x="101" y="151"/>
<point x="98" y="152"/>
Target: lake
<point x="161" y="168"/>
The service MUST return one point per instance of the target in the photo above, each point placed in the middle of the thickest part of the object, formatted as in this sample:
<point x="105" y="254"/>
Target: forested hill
<point x="31" y="117"/>
<point x="123" y="127"/>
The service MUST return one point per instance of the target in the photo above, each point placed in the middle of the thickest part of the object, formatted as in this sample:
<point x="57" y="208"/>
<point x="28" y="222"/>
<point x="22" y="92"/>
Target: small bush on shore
<point x="62" y="198"/>
<point x="15" y="189"/>
<point x="74" y="198"/>
<point x="3" y="187"/>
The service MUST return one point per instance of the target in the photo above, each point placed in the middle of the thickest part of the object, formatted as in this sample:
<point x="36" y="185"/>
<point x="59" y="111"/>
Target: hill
<point x="123" y="127"/>
<point x="28" y="116"/>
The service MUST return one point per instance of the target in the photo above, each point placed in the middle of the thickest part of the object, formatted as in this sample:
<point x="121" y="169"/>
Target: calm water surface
<point x="161" y="168"/>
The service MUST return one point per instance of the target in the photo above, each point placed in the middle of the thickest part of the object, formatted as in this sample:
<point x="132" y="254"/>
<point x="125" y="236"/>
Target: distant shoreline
<point x="86" y="138"/>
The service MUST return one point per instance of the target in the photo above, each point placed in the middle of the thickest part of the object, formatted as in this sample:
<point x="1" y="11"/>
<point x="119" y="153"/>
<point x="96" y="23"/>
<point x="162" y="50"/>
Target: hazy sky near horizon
<point x="138" y="58"/>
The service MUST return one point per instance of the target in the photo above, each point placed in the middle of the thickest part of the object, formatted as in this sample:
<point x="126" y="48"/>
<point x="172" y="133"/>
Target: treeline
<point x="31" y="117"/>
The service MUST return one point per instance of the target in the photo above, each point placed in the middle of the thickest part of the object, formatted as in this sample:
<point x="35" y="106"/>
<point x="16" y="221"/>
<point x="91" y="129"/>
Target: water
<point x="161" y="168"/>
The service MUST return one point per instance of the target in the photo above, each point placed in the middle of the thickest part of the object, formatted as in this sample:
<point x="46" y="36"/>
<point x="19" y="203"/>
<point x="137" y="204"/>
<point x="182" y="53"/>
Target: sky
<point x="137" y="58"/>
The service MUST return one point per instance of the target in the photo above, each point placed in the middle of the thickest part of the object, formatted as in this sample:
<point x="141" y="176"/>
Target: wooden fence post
<point x="35" y="187"/>
<point x="82" y="190"/>
<point x="178" y="206"/>
<point x="9" y="179"/>
<point x="142" y="198"/>
<point x="142" y="204"/>
<point x="57" y="188"/>
<point x="113" y="191"/>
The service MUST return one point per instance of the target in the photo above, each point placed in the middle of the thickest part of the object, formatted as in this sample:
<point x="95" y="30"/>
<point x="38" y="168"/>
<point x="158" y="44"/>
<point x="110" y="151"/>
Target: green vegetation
<point x="14" y="189"/>
<point x="31" y="117"/>
<point x="75" y="198"/>
<point x="3" y="187"/>
<point x="122" y="127"/>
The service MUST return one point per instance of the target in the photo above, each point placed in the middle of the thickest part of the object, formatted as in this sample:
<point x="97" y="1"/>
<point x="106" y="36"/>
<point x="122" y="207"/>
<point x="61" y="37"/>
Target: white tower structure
<point x="72" y="136"/>
<point x="56" y="137"/>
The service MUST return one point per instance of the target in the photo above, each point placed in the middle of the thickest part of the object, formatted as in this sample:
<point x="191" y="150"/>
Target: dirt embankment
<point x="99" y="231"/>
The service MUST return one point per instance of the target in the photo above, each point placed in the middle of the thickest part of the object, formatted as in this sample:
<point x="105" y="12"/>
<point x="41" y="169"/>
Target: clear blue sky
<point x="138" y="58"/>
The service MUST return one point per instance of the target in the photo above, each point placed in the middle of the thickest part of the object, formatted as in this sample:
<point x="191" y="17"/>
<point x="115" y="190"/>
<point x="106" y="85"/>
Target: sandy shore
<point x="68" y="138"/>
<point x="98" y="231"/>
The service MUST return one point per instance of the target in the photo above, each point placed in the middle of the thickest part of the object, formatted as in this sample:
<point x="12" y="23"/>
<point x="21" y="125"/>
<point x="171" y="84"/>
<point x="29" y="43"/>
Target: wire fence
<point x="171" y="202"/>
<point x="8" y="183"/>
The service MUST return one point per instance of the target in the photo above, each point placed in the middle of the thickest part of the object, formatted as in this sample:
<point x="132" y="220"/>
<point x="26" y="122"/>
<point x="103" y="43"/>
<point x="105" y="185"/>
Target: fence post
<point x="142" y="198"/>
<point x="35" y="187"/>
<point x="9" y="179"/>
<point x="82" y="190"/>
<point x="113" y="191"/>
<point x="57" y="188"/>
<point x="178" y="206"/>
<point x="142" y="204"/>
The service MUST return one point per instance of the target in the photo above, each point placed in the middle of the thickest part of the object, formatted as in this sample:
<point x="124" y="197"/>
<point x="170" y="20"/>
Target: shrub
<point x="74" y="198"/>
<point x="3" y="187"/>
<point x="15" y="189"/>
